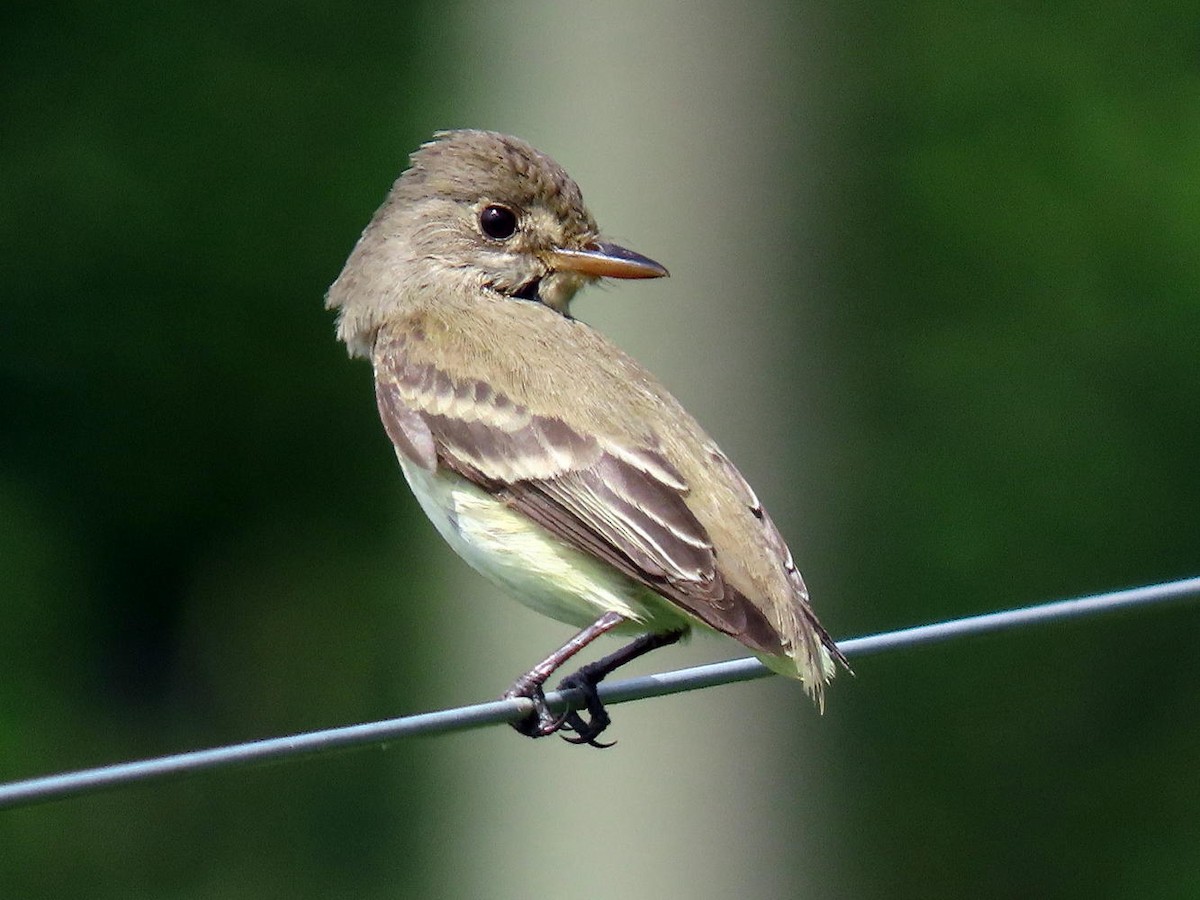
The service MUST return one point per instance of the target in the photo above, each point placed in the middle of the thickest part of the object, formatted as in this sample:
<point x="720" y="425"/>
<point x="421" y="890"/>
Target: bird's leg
<point x="543" y="722"/>
<point x="586" y="679"/>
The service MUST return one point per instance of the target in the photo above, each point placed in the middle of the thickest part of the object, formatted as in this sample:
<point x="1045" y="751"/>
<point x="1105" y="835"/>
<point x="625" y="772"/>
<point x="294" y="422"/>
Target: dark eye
<point x="498" y="222"/>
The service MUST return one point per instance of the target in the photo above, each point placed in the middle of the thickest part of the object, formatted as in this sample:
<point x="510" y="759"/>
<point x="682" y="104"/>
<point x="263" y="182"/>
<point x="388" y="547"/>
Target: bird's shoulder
<point x="524" y="358"/>
<point x="475" y="388"/>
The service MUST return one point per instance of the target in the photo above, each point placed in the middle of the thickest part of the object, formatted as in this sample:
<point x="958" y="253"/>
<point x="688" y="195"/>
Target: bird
<point x="550" y="460"/>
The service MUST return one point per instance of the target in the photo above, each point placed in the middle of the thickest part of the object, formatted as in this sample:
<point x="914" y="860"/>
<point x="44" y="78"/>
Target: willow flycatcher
<point x="551" y="461"/>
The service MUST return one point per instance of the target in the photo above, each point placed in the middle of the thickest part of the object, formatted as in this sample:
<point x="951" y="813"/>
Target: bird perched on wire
<point x="551" y="461"/>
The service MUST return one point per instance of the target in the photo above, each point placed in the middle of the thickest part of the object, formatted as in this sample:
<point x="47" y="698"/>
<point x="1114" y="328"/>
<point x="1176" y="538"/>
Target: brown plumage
<point x="513" y="420"/>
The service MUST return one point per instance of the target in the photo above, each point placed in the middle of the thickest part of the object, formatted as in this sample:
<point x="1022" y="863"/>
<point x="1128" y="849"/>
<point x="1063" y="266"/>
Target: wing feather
<point x="625" y="505"/>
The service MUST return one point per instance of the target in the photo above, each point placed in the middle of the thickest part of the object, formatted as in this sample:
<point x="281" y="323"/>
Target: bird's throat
<point x="530" y="291"/>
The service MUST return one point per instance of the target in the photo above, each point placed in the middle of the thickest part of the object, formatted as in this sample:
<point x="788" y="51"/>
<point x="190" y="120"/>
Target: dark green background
<point x="192" y="542"/>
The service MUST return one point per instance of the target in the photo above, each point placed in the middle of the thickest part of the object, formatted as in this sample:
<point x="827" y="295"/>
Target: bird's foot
<point x="542" y="721"/>
<point x="586" y="730"/>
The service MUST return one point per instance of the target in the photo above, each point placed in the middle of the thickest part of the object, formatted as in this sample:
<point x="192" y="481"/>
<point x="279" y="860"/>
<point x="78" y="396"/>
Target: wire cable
<point x="86" y="781"/>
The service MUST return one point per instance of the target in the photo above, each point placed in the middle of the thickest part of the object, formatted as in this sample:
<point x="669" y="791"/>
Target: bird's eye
<point x="498" y="222"/>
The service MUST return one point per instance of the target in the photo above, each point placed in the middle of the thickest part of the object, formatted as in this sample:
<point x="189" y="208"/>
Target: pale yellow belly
<point x="538" y="569"/>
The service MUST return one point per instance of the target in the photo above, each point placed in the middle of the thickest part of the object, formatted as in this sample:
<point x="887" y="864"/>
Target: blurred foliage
<point x="191" y="531"/>
<point x="1019" y="212"/>
<point x="188" y="526"/>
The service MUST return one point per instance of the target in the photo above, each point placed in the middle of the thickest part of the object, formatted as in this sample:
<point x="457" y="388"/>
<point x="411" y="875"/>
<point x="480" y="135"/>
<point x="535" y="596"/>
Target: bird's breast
<point x="541" y="571"/>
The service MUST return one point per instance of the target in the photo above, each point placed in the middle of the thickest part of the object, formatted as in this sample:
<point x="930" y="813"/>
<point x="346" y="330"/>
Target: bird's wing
<point x="624" y="505"/>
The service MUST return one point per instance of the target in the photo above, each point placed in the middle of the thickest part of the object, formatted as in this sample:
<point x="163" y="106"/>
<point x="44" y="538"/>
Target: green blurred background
<point x="935" y="287"/>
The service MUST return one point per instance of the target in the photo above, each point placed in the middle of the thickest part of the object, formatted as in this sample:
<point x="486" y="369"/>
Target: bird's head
<point x="476" y="212"/>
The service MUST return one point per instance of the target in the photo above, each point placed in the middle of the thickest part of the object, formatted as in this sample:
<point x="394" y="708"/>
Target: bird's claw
<point x="586" y="731"/>
<point x="542" y="721"/>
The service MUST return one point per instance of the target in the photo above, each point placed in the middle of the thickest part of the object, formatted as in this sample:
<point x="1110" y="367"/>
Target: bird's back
<point x="629" y="418"/>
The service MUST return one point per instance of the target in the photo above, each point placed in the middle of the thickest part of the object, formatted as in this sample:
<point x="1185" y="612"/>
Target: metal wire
<point x="85" y="781"/>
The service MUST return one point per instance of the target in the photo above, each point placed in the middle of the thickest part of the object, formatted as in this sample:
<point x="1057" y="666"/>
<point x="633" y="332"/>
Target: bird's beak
<point x="601" y="259"/>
